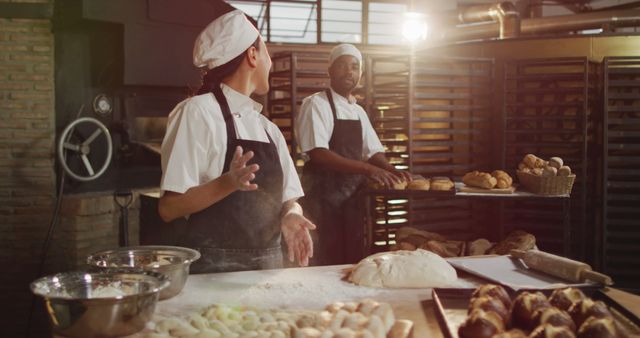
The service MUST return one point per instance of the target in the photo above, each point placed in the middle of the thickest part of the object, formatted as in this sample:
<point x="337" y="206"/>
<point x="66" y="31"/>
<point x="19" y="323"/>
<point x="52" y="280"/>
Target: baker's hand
<point x="240" y="174"/>
<point x="295" y="230"/>
<point x="403" y="175"/>
<point x="383" y="177"/>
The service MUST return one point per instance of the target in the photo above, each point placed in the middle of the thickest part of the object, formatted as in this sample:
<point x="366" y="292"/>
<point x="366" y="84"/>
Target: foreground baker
<point x="341" y="150"/>
<point x="225" y="166"/>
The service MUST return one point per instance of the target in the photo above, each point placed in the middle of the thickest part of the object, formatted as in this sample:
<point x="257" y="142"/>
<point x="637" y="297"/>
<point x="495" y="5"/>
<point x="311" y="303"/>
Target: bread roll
<point x="419" y="185"/>
<point x="540" y="163"/>
<point x="522" y="166"/>
<point x="479" y="179"/>
<point x="493" y="291"/>
<point x="513" y="333"/>
<point x="526" y="170"/>
<point x="530" y="160"/>
<point x="414" y="239"/>
<point x="554" y="316"/>
<point x="524" y="306"/>
<point x="549" y="171"/>
<point x="556" y="162"/>
<point x="503" y="179"/>
<point x="537" y="171"/>
<point x="441" y="184"/>
<point x="564" y="171"/>
<point x="478" y="247"/>
<point x="480" y="324"/>
<point x="564" y="298"/>
<point x="550" y="331"/>
<point x="404" y="232"/>
<point x="585" y="308"/>
<point x="400" y="185"/>
<point x="518" y="240"/>
<point x="444" y="248"/>
<point x="600" y="328"/>
<point x="404" y="246"/>
<point x="490" y="304"/>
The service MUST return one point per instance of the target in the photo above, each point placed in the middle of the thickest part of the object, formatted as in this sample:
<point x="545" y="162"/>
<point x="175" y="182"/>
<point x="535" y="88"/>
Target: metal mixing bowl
<point x="172" y="261"/>
<point x="110" y="303"/>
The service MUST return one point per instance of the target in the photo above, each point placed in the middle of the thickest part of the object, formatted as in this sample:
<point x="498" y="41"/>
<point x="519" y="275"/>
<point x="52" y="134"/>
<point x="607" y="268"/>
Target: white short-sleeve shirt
<point x="194" y="146"/>
<point x="314" y="123"/>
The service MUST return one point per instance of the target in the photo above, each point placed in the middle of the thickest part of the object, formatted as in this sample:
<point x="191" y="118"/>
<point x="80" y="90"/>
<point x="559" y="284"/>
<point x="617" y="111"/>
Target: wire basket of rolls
<point x="544" y="177"/>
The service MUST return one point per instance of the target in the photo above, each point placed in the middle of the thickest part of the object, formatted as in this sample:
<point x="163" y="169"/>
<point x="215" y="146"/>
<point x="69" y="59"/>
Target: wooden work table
<point x="313" y="288"/>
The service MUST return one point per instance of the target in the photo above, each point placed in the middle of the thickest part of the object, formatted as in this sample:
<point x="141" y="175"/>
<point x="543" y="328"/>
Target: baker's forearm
<point x="291" y="206"/>
<point x="328" y="159"/>
<point x="174" y="205"/>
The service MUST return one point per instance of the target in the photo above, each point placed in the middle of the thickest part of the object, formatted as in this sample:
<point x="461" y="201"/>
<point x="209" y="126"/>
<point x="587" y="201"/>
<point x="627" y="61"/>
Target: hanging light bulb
<point x="414" y="27"/>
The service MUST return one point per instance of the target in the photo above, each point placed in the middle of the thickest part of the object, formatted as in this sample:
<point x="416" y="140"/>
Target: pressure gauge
<point x="102" y="105"/>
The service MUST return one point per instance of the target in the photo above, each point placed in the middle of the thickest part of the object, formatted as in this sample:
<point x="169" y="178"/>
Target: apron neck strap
<point x="226" y="112"/>
<point x="333" y="106"/>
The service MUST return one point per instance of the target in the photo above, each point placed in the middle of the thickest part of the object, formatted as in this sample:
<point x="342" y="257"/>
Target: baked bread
<point x="415" y="239"/>
<point x="537" y="171"/>
<point x="441" y="183"/>
<point x="550" y="331"/>
<point x="549" y="171"/>
<point x="564" y="171"/>
<point x="421" y="184"/>
<point x="554" y="316"/>
<point x="478" y="247"/>
<point x="445" y="249"/>
<point x="400" y="185"/>
<point x="404" y="232"/>
<point x="564" y="298"/>
<point x="595" y="327"/>
<point x="503" y="179"/>
<point x="530" y="160"/>
<point x="480" y="324"/>
<point x="585" y="308"/>
<point x="524" y="306"/>
<point x="518" y="240"/>
<point x="479" y="179"/>
<point x="513" y="333"/>
<point x="490" y="304"/>
<point x="493" y="291"/>
<point x="556" y="162"/>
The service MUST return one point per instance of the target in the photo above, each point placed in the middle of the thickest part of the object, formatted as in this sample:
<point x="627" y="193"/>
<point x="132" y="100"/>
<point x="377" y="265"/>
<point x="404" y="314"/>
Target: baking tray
<point x="410" y="192"/>
<point x="451" y="306"/>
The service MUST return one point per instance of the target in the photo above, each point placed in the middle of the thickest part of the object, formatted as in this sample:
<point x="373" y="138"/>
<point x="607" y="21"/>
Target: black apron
<point x="330" y="196"/>
<point x="242" y="231"/>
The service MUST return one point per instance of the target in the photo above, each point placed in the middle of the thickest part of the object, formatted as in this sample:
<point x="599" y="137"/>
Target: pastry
<point x="490" y="304"/>
<point x="554" y="316"/>
<point x="524" y="306"/>
<point x="556" y="162"/>
<point x="493" y="291"/>
<point x="441" y="184"/>
<point x="480" y="324"/>
<point x="503" y="179"/>
<point x="540" y="163"/>
<point x="444" y="248"/>
<point x="421" y="184"/>
<point x="403" y="232"/>
<point x="537" y="171"/>
<point x="564" y="171"/>
<point x="522" y="166"/>
<point x="549" y="171"/>
<point x="518" y="240"/>
<point x="530" y="160"/>
<point x="478" y="247"/>
<point x="585" y="308"/>
<point x="513" y="333"/>
<point x="479" y="179"/>
<point x="415" y="240"/>
<point x="564" y="298"/>
<point x="550" y="331"/>
<point x="595" y="327"/>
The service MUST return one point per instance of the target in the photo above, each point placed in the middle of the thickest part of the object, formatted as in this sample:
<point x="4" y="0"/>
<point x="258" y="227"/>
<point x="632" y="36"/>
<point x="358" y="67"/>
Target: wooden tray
<point x="451" y="309"/>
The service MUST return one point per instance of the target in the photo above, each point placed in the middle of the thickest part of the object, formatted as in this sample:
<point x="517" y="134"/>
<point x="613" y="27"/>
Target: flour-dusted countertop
<point x="310" y="288"/>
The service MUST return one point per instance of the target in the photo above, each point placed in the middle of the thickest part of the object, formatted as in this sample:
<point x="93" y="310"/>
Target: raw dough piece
<point x="404" y="269"/>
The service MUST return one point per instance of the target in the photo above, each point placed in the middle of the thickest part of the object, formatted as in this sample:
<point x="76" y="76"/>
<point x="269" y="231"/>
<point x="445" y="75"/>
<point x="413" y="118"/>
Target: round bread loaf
<point x="599" y="328"/>
<point x="441" y="184"/>
<point x="550" y="331"/>
<point x="585" y="308"/>
<point x="419" y="185"/>
<point x="493" y="291"/>
<point x="564" y="298"/>
<point x="554" y="316"/>
<point x="480" y="324"/>
<point x="564" y="171"/>
<point x="513" y="333"/>
<point x="556" y="162"/>
<point x="530" y="160"/>
<point x="524" y="306"/>
<point x="490" y="304"/>
<point x="549" y="171"/>
<point x="478" y="247"/>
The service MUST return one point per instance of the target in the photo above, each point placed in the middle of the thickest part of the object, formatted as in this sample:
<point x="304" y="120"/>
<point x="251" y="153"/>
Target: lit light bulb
<point x="414" y="27"/>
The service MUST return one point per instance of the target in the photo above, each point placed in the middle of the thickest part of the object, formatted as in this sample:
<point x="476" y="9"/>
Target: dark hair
<point x="214" y="76"/>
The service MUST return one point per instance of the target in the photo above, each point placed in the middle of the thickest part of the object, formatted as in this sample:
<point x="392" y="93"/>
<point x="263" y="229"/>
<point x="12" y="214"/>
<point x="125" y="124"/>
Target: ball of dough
<point x="480" y="324"/>
<point x="585" y="308"/>
<point x="556" y="162"/>
<point x="564" y="298"/>
<point x="400" y="185"/>
<point x="493" y="291"/>
<point x="524" y="307"/>
<point x="404" y="269"/>
<point x="564" y="171"/>
<point x="554" y="316"/>
<point x="549" y="171"/>
<point x="489" y="304"/>
<point x="419" y="185"/>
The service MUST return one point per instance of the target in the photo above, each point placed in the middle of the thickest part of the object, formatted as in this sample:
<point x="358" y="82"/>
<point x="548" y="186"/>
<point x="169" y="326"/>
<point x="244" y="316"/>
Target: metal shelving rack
<point x="547" y="111"/>
<point x="621" y="177"/>
<point x="451" y="110"/>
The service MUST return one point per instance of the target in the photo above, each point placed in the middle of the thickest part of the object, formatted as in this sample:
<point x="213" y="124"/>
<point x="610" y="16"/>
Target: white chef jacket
<point x="314" y="123"/>
<point x="194" y="146"/>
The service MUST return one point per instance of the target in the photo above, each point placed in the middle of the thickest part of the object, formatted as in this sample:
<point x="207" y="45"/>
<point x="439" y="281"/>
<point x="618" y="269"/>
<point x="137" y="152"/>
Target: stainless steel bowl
<point x="110" y="303"/>
<point x="172" y="261"/>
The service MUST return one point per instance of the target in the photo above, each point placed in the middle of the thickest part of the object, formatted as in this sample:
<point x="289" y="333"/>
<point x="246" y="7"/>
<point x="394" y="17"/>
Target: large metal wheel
<point x="73" y="145"/>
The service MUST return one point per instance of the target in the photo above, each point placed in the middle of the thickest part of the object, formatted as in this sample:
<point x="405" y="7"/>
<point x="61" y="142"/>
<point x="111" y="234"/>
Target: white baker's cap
<point x="223" y="39"/>
<point x="345" y="49"/>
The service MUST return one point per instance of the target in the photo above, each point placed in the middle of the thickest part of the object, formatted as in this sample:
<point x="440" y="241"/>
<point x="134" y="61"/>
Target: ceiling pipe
<point x="552" y="24"/>
<point x="505" y="13"/>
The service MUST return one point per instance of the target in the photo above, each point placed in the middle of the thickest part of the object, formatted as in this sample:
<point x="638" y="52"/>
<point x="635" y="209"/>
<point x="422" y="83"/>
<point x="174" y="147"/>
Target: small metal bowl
<point x="110" y="303"/>
<point x="172" y="261"/>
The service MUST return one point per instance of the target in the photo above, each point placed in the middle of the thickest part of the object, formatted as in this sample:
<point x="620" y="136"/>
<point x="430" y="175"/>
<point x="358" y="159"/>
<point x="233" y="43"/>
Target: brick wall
<point x="27" y="182"/>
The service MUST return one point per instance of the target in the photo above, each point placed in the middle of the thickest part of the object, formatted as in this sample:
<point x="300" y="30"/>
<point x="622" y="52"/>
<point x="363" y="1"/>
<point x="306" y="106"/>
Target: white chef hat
<point x="223" y="39"/>
<point x="345" y="49"/>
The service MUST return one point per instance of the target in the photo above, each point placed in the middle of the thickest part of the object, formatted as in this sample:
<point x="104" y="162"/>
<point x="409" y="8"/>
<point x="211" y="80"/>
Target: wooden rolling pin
<point x="560" y="266"/>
